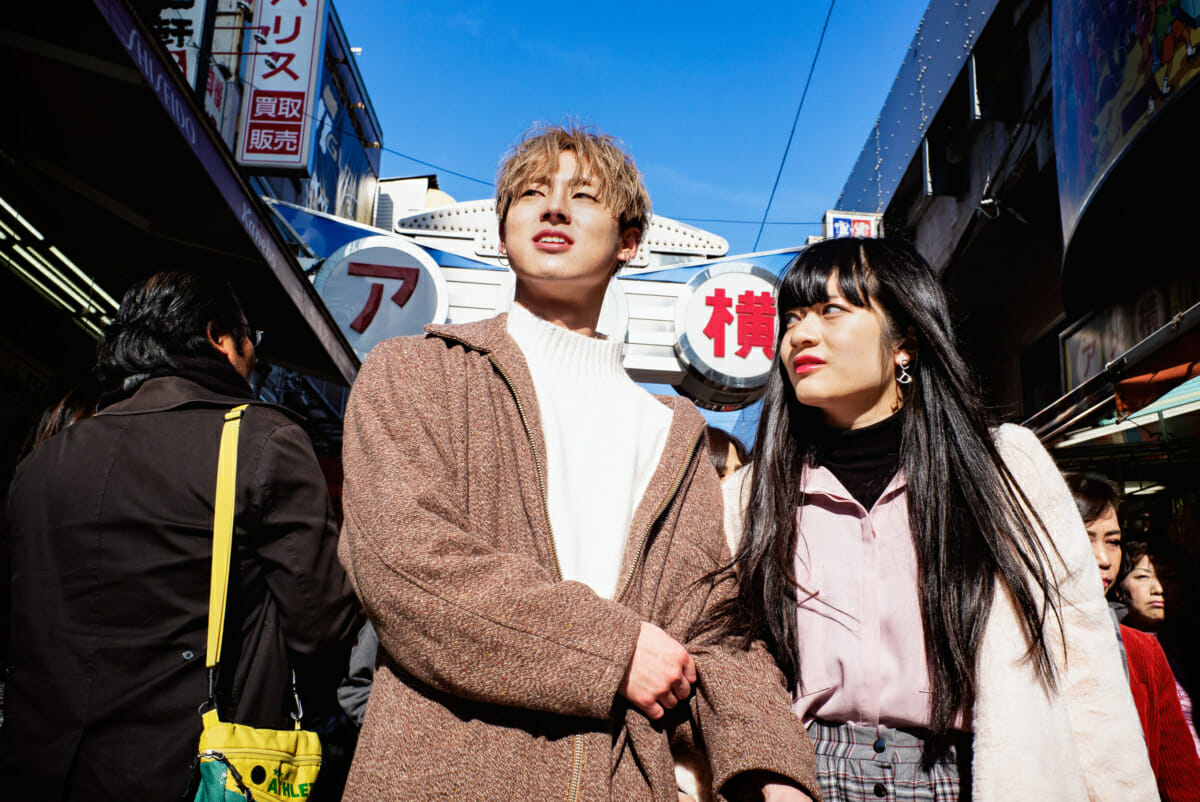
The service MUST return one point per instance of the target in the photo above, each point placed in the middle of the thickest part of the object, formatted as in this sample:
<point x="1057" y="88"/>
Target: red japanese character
<point x="292" y="36"/>
<point x="408" y="277"/>
<point x="715" y="329"/>
<point x="756" y="323"/>
<point x="282" y="60"/>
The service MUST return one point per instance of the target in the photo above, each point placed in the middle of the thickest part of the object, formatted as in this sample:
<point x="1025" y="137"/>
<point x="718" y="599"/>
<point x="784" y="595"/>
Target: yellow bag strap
<point x="223" y="509"/>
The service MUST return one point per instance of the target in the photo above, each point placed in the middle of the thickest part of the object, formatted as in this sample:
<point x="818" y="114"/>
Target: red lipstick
<point x="806" y="363"/>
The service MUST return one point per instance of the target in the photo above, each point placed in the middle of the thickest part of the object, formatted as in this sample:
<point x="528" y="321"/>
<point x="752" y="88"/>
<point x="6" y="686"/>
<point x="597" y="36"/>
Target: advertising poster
<point x="343" y="178"/>
<point x="1115" y="64"/>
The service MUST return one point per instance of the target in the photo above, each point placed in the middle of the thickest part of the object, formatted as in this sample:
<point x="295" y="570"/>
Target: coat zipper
<point x="658" y="514"/>
<point x="537" y="463"/>
<point x="577" y="740"/>
<point x="577" y="751"/>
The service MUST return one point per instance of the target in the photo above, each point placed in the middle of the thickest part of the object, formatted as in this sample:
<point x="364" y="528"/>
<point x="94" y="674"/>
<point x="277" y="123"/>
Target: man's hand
<point x="660" y="674"/>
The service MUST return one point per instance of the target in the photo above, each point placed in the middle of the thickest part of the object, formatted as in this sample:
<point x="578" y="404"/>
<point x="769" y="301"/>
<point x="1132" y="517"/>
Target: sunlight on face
<point x="837" y="361"/>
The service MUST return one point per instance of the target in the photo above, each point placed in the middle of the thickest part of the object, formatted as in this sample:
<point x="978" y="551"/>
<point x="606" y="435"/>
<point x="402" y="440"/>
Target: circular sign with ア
<point x="379" y="287"/>
<point x="725" y="323"/>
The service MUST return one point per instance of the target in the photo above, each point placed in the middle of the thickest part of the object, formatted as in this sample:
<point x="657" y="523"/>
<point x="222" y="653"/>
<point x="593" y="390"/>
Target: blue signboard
<point x="344" y="173"/>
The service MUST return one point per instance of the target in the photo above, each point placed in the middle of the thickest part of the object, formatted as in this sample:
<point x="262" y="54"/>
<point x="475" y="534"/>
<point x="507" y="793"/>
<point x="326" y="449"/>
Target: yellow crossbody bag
<point x="235" y="761"/>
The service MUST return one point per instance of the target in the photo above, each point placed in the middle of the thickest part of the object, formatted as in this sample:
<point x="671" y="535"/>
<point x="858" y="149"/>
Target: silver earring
<point x="503" y="258"/>
<point x="904" y="377"/>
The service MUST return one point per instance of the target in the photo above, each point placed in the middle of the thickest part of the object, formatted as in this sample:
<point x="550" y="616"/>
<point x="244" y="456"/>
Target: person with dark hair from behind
<point x="1172" y="752"/>
<point x="78" y="403"/>
<point x="726" y="452"/>
<point x="110" y="533"/>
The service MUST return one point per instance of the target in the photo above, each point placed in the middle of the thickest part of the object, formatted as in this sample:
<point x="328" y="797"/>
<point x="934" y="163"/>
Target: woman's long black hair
<point x="972" y="525"/>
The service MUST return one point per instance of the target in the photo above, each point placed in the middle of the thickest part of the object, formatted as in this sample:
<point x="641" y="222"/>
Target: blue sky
<point x="702" y="94"/>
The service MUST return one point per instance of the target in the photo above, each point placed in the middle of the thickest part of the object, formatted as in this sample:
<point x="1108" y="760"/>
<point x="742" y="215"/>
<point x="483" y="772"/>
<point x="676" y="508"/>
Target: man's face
<point x="241" y="356"/>
<point x="1105" y="535"/>
<point x="243" y="363"/>
<point x="558" y="232"/>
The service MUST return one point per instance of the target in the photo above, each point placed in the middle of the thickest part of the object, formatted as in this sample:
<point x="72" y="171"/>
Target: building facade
<point x="1030" y="149"/>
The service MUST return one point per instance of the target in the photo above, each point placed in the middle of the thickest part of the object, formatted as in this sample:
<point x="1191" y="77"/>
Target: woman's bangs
<point x="807" y="280"/>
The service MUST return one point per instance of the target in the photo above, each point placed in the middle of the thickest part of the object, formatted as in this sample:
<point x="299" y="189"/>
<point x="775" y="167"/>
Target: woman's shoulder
<point x="1016" y="438"/>
<point x="1022" y="452"/>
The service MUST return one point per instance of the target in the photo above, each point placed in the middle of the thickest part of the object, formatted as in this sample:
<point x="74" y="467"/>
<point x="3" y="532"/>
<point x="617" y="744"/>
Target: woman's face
<point x="732" y="463"/>
<point x="1147" y="607"/>
<point x="1105" y="535"/>
<point x="837" y="360"/>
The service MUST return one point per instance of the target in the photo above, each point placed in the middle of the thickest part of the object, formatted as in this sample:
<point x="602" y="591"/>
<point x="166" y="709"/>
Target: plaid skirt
<point x="868" y="764"/>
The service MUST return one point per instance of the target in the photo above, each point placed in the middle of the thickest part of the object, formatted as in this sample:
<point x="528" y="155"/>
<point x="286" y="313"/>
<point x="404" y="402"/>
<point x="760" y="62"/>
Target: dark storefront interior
<point x="106" y="170"/>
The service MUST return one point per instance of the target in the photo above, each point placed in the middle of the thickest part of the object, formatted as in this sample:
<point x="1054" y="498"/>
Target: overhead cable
<point x="811" y="68"/>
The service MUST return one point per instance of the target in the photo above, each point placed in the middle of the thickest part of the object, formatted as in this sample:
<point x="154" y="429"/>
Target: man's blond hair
<point x="600" y="157"/>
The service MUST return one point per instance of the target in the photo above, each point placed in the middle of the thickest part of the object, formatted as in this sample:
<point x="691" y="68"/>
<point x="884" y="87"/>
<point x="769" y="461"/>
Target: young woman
<point x="726" y="452"/>
<point x="1173" y="755"/>
<point x="922" y="578"/>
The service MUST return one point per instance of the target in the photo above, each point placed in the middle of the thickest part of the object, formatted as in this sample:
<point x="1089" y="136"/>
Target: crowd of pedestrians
<point x="548" y="583"/>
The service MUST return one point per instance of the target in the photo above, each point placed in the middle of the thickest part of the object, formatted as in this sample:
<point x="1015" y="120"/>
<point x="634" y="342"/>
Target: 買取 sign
<point x="282" y="67"/>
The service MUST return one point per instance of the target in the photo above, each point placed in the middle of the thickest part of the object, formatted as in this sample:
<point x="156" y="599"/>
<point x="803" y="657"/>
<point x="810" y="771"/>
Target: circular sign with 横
<point x="379" y="287"/>
<point x="725" y="324"/>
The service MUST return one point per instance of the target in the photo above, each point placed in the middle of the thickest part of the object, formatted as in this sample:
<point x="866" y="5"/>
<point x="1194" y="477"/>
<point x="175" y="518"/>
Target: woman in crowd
<point x="922" y="578"/>
<point x="1151" y="589"/>
<point x="1139" y="588"/>
<point x="726" y="452"/>
<point x="1168" y="739"/>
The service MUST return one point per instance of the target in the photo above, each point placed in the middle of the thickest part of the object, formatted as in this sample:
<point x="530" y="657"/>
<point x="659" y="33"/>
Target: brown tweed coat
<point x="497" y="680"/>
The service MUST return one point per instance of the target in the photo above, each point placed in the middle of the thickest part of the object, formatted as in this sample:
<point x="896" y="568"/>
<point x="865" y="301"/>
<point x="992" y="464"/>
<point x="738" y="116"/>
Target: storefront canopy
<point x="107" y="151"/>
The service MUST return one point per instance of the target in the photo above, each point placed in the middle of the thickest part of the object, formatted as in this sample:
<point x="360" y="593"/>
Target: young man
<point x="531" y="534"/>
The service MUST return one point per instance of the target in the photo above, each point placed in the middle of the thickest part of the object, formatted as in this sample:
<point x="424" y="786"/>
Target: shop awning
<point x="324" y="233"/>
<point x="108" y="152"/>
<point x="1148" y="363"/>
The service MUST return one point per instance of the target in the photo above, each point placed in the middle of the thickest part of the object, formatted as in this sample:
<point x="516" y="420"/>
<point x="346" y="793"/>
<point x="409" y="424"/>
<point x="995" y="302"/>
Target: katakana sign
<point x="379" y="287"/>
<point x="725" y="324"/>
<point x="282" y="69"/>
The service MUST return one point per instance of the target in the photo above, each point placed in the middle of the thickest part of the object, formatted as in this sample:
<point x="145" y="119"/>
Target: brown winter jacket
<point x="498" y="680"/>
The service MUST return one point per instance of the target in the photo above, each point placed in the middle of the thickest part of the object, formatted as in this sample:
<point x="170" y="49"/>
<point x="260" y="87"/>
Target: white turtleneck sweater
<point x="604" y="438"/>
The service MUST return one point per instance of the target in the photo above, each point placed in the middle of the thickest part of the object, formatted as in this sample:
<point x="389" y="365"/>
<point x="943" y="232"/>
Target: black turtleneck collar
<point x="864" y="460"/>
<point x="213" y="373"/>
